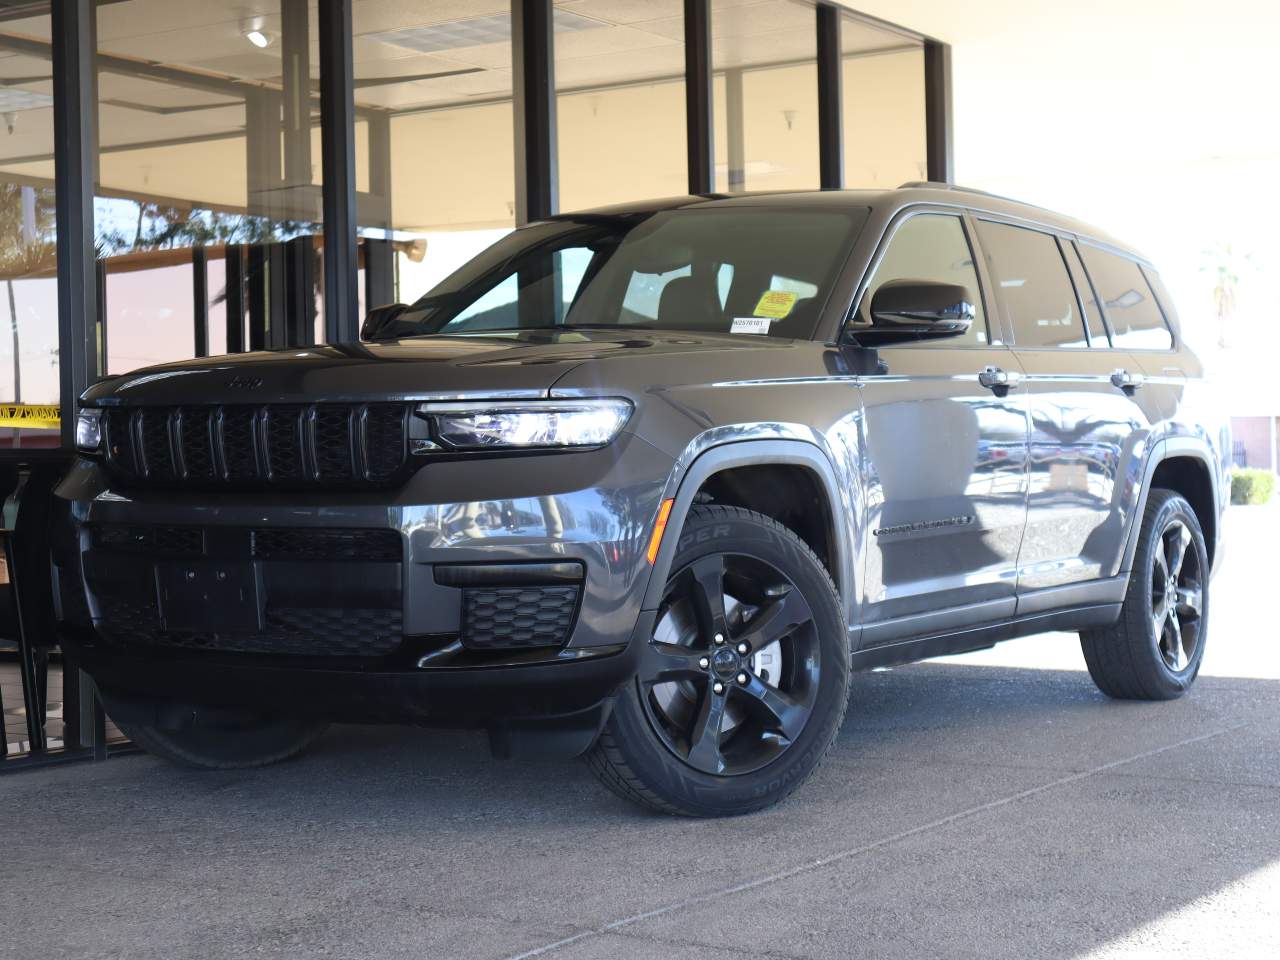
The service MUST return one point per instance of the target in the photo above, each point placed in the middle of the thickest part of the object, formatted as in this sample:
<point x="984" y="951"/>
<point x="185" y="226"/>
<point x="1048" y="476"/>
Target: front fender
<point x="689" y="476"/>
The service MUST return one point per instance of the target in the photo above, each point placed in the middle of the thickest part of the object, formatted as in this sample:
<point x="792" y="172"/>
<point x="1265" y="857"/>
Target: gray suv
<point x="646" y="483"/>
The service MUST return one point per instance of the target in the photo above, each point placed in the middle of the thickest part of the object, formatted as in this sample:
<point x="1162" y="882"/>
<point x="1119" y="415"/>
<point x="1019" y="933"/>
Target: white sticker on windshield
<point x="751" y="325"/>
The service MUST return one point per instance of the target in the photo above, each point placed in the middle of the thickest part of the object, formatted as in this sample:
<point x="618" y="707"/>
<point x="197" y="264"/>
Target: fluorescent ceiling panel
<point x="472" y="32"/>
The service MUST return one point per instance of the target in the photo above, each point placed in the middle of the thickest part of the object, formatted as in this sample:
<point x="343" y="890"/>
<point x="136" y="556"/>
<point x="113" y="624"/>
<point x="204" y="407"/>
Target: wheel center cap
<point x="725" y="662"/>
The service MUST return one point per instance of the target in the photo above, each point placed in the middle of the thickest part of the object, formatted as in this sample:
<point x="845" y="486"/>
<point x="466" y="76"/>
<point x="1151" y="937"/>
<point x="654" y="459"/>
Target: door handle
<point x="1126" y="381"/>
<point x="999" y="381"/>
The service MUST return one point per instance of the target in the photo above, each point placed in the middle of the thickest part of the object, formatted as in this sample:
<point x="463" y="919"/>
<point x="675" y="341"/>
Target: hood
<point x="517" y="364"/>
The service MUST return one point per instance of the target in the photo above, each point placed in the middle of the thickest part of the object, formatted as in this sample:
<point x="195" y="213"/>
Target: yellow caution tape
<point x="34" y="416"/>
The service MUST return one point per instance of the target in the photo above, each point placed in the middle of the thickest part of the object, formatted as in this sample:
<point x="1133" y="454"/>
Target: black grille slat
<point x="272" y="445"/>
<point x="283" y="435"/>
<point x="196" y="442"/>
<point x="239" y="446"/>
<point x="332" y="440"/>
<point x="157" y="445"/>
<point x="121" y="451"/>
<point x="384" y="439"/>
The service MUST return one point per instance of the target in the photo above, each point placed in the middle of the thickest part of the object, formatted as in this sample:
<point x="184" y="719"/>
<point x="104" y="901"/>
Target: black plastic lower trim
<point x="981" y="637"/>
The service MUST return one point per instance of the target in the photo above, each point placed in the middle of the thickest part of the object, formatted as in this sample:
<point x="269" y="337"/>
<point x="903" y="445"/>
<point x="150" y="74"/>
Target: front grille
<point x="505" y="617"/>
<point x="289" y="631"/>
<point x="275" y="445"/>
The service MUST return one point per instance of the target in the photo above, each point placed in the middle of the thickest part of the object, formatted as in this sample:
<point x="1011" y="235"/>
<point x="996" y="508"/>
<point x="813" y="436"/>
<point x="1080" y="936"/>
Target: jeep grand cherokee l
<point x="646" y="483"/>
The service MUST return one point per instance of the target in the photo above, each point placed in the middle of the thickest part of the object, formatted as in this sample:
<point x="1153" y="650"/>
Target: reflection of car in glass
<point x="646" y="483"/>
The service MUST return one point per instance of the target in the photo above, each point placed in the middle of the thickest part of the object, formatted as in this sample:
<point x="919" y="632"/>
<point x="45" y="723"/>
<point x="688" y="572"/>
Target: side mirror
<point x="379" y="320"/>
<point x="905" y="310"/>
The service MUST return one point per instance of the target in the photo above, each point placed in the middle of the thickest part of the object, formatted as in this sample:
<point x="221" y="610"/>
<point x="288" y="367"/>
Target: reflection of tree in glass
<point x="1226" y="265"/>
<point x="160" y="226"/>
<point x="26" y="250"/>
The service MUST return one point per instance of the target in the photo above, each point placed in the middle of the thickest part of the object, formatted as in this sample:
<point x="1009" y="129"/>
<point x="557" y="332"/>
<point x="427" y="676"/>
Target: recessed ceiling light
<point x="258" y="38"/>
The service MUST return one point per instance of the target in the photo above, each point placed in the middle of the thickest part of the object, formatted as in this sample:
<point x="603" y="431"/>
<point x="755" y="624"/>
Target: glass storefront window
<point x="29" y="415"/>
<point x="208" y="137"/>
<point x="434" y="140"/>
<point x="884" y="128"/>
<point x="620" y="102"/>
<point x="765" y="85"/>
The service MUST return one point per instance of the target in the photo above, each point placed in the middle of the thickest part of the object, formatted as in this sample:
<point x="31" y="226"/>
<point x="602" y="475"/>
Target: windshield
<point x="749" y="270"/>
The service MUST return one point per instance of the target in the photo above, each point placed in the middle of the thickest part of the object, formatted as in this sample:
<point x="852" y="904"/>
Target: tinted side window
<point x="1036" y="292"/>
<point x="931" y="246"/>
<point x="1127" y="300"/>
<point x="1084" y="289"/>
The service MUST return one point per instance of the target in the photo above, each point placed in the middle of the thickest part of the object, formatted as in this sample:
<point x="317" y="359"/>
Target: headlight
<point x="89" y="431"/>
<point x="527" y="423"/>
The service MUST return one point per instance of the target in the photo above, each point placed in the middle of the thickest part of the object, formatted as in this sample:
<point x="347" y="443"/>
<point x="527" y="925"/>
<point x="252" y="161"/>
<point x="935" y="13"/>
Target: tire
<point x="1154" y="650"/>
<point x="218" y="741"/>
<point x="779" y="705"/>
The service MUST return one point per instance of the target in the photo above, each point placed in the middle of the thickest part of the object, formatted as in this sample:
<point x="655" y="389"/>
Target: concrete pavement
<point x="969" y="809"/>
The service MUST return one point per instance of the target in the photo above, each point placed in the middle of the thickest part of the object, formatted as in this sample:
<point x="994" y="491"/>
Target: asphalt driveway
<point x="971" y="808"/>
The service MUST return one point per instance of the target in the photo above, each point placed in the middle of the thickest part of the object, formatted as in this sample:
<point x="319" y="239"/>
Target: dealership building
<point x="186" y="178"/>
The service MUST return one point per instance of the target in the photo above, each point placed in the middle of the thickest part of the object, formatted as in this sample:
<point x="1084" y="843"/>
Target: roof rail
<point x="935" y="185"/>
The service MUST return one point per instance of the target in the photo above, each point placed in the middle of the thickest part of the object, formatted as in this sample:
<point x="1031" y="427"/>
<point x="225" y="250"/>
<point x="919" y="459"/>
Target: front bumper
<point x="590" y="512"/>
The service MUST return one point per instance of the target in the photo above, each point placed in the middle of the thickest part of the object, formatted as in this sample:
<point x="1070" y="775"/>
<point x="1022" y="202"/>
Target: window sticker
<point x="775" y="304"/>
<point x="751" y="325"/>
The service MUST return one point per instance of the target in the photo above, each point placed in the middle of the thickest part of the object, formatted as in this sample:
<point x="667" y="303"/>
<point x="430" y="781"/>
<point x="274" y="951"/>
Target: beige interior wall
<point x="453" y="169"/>
<point x="623" y="144"/>
<point x="884" y="131"/>
<point x="212" y="172"/>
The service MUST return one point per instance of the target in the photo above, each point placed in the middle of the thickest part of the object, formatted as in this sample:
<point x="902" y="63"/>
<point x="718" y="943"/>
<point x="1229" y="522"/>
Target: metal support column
<point x="295" y="64"/>
<point x="300" y="299"/>
<point x="698" y="96"/>
<point x="200" y="300"/>
<point x="337" y="148"/>
<point x="75" y="112"/>
<point x="255" y="276"/>
<point x="534" y="102"/>
<point x="737" y="149"/>
<point x="830" y="100"/>
<point x="937" y="112"/>
<point x="235" y="298"/>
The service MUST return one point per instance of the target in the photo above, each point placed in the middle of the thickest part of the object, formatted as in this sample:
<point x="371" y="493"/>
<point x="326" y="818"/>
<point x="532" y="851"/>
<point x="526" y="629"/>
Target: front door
<point x="946" y="457"/>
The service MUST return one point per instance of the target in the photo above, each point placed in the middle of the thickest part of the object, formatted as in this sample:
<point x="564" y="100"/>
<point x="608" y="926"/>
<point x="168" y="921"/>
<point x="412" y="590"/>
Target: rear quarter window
<point x="1130" y="306"/>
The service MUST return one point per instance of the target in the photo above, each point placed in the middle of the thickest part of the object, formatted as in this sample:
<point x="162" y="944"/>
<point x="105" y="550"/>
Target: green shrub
<point x="1252" y="486"/>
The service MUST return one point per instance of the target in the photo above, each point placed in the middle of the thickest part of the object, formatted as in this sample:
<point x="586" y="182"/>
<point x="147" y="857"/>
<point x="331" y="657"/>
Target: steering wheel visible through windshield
<point x="751" y="269"/>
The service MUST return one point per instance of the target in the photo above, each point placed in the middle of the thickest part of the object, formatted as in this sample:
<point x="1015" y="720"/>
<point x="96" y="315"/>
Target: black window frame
<point x="895" y="223"/>
<point x="1079" y="274"/>
<point x="1006" y="317"/>
<point x="1082" y="242"/>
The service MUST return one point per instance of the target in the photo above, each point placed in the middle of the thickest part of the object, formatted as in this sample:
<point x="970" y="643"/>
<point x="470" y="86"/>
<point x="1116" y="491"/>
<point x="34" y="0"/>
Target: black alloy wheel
<point x="742" y="687"/>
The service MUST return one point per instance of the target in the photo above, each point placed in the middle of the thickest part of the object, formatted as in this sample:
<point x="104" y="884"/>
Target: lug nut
<point x="719" y="638"/>
<point x="742" y="679"/>
<point x="743" y="649"/>
<point x="704" y="663"/>
<point x="717" y="687"/>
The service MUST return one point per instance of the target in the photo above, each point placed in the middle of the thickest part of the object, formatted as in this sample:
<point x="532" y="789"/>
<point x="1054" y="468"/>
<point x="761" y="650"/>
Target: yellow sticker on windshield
<point x="775" y="303"/>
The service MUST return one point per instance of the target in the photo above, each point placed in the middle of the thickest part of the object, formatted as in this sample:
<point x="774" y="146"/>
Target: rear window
<point x="1130" y="306"/>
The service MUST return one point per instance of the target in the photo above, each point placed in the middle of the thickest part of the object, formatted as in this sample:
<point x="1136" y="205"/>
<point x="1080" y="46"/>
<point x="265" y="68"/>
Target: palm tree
<point x="1227" y="265"/>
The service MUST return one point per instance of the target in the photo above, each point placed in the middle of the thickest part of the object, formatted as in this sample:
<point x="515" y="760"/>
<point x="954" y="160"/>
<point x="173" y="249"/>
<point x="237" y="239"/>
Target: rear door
<point x="1084" y="427"/>
<point x="945" y="454"/>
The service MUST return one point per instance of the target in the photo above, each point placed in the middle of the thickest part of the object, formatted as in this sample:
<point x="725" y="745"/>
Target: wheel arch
<point x="726" y="468"/>
<point x="1185" y="466"/>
